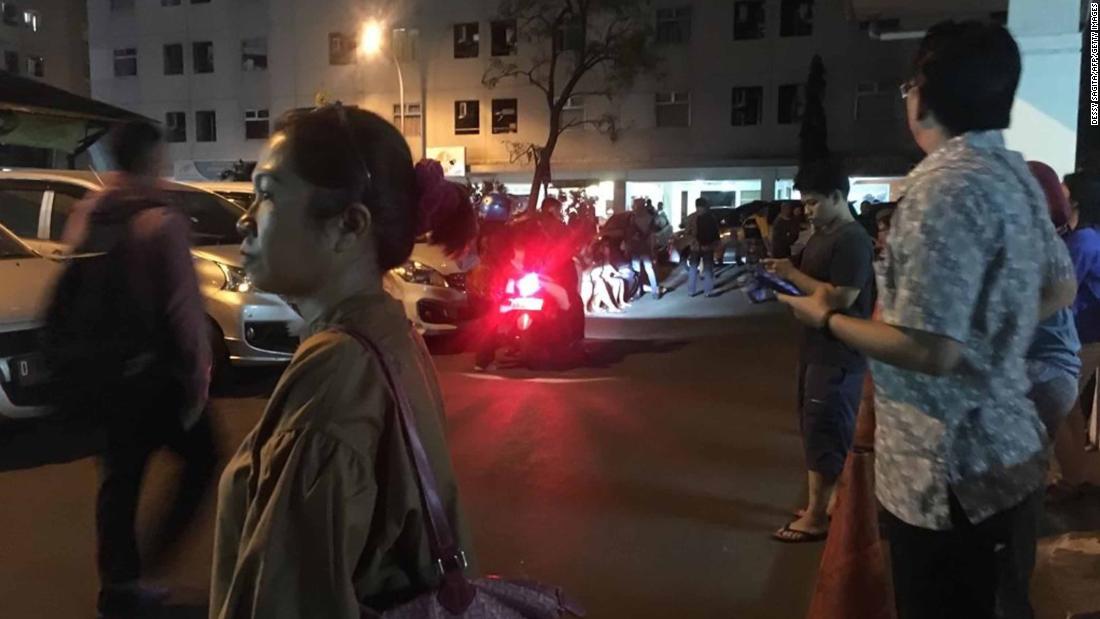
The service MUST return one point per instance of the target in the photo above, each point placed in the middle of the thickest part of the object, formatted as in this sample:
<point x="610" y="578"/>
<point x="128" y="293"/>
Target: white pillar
<point x="1044" y="117"/>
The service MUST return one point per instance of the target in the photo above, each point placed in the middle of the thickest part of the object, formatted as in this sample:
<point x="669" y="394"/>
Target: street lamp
<point x="370" y="46"/>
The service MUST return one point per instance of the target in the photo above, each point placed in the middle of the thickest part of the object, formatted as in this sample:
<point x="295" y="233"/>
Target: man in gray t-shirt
<point x="830" y="373"/>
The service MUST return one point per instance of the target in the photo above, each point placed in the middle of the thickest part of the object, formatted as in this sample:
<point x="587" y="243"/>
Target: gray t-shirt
<point x="841" y="257"/>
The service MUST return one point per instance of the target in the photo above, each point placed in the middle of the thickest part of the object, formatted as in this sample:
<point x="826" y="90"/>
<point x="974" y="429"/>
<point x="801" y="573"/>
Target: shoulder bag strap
<point x="445" y="551"/>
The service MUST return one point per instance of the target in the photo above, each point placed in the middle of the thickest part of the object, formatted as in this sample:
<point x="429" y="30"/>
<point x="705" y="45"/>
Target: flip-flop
<point x="787" y="535"/>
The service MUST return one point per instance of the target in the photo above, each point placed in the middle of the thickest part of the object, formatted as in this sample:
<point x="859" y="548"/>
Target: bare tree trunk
<point x="543" y="177"/>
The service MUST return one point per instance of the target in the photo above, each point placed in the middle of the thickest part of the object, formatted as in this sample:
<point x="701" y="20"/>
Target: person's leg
<point x="647" y="262"/>
<point x="923" y="570"/>
<point x="603" y="295"/>
<point x="693" y="273"/>
<point x="636" y="266"/>
<point x="708" y="272"/>
<point x="830" y="400"/>
<point x="486" y="352"/>
<point x="197" y="450"/>
<point x="1016" y="561"/>
<point x="977" y="555"/>
<point x="1070" y="439"/>
<point x="122" y="467"/>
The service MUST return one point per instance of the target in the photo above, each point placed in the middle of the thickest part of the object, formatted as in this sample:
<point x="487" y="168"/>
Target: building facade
<point x="721" y="118"/>
<point x="46" y="40"/>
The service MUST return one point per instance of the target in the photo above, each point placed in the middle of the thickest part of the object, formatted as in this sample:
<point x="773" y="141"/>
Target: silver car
<point x="28" y="279"/>
<point x="248" y="326"/>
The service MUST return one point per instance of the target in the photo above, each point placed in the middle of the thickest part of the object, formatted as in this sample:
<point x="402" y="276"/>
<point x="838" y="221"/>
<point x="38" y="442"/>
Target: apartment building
<point x="722" y="116"/>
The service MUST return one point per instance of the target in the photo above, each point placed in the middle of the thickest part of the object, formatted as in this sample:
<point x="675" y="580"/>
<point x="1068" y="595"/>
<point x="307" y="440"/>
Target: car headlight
<point x="419" y="273"/>
<point x="236" y="279"/>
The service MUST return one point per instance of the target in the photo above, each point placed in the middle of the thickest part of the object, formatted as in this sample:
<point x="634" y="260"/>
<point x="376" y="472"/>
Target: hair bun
<point x="443" y="207"/>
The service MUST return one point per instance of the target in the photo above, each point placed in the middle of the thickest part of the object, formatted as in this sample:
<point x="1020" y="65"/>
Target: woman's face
<point x="286" y="250"/>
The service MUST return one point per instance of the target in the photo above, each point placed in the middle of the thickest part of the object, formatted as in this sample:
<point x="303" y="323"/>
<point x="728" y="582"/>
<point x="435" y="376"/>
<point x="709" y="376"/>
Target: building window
<point x="748" y="20"/>
<point x="467" y="117"/>
<point x="796" y="18"/>
<point x="11" y="62"/>
<point x="790" y="104"/>
<point x="748" y="106"/>
<point x="573" y="111"/>
<point x="504" y="37"/>
<point x="206" y="126"/>
<point x="10" y="14"/>
<point x="411" y="120"/>
<point x="32" y="20"/>
<point x="175" y="124"/>
<point x="405" y="43"/>
<point x="254" y="54"/>
<point x="673" y="109"/>
<point x="173" y="59"/>
<point x="170" y="2"/>
<point x="203" y="56"/>
<point x="674" y="25"/>
<point x="122" y="5"/>
<point x="467" y="40"/>
<point x="505" y="116"/>
<point x="126" y="62"/>
<point x="341" y="48"/>
<point x="36" y="66"/>
<point x="257" y="125"/>
<point x="569" y="37"/>
<point x="877" y="101"/>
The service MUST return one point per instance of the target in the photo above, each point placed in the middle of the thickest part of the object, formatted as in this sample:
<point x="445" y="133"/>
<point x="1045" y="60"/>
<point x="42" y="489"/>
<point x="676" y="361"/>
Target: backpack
<point x="99" y="336"/>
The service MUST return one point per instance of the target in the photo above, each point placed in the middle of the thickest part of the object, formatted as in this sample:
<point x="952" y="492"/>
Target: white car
<point x="431" y="286"/>
<point x="28" y="280"/>
<point x="248" y="326"/>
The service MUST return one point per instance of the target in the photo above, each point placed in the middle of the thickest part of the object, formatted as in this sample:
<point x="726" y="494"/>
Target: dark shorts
<point x="828" y="401"/>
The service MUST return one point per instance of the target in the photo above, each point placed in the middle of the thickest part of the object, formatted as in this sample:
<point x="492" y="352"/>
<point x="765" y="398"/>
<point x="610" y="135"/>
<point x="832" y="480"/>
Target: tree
<point x="814" y="136"/>
<point x="573" y="48"/>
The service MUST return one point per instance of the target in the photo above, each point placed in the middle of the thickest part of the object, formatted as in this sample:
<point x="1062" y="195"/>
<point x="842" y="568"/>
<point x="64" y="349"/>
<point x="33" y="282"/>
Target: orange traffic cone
<point x="854" y="579"/>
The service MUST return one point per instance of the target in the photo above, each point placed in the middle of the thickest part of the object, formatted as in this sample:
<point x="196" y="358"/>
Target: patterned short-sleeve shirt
<point x="970" y="249"/>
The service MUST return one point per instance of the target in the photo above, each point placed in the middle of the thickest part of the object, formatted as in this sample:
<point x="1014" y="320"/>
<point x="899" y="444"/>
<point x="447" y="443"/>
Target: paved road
<point x="646" y="486"/>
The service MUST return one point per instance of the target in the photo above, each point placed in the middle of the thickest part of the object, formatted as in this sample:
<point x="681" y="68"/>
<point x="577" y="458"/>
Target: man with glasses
<point x="971" y="265"/>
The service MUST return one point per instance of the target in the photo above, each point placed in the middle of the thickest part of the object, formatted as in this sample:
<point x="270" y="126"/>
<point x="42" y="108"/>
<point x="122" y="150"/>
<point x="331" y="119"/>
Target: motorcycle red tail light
<point x="528" y="285"/>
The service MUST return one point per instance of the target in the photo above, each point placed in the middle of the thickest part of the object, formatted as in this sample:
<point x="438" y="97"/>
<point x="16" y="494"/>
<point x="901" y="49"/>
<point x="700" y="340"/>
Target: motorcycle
<point x="535" y="325"/>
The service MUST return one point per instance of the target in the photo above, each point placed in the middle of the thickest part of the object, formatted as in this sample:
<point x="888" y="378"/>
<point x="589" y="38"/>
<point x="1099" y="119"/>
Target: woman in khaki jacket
<point x="319" y="512"/>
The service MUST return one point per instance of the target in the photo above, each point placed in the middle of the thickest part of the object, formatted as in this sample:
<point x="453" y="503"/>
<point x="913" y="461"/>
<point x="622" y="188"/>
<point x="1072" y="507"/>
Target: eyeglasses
<point x="906" y="87"/>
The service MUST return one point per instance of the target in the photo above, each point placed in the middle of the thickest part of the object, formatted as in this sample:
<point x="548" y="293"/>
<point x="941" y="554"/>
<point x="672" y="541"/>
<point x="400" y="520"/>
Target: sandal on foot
<point x="787" y="535"/>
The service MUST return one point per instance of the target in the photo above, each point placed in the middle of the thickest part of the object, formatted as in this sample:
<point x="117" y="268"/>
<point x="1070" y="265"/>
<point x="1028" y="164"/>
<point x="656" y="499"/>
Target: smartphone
<point x="764" y="279"/>
<point x="761" y="295"/>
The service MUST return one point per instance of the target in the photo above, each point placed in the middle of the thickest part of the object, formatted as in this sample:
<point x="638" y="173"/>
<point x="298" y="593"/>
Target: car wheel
<point x="220" y="369"/>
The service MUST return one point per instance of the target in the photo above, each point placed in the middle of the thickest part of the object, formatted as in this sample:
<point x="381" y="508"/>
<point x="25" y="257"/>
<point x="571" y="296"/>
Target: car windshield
<point x="10" y="247"/>
<point x="213" y="218"/>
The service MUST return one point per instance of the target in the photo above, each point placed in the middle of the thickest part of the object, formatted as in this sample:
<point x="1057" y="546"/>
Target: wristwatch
<point x="828" y="315"/>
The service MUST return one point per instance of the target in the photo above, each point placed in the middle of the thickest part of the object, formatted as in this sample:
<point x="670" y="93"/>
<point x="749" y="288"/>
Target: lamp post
<point x="370" y="45"/>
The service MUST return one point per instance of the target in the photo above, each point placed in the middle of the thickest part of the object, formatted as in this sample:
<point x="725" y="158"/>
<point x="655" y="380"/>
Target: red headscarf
<point x="1060" y="209"/>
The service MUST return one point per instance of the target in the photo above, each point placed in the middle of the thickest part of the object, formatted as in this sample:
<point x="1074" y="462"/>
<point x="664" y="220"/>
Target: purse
<point x="491" y="597"/>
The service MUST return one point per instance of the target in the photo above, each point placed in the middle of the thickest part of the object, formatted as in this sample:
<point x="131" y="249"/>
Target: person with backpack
<point x="126" y="342"/>
<point x="704" y="235"/>
<point x="320" y="512"/>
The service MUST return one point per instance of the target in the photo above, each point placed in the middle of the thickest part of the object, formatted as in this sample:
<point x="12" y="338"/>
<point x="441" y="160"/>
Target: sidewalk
<point x="1067" y="570"/>
<point x="677" y="315"/>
